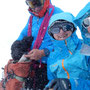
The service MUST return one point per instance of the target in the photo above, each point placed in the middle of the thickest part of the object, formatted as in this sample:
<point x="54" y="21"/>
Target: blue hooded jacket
<point x="36" y="23"/>
<point x="85" y="12"/>
<point x="66" y="61"/>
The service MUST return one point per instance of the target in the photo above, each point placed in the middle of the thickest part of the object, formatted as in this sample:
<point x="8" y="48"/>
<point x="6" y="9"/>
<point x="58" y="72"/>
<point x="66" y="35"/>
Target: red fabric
<point x="42" y="29"/>
<point x="20" y="69"/>
<point x="41" y="13"/>
<point x="30" y="26"/>
<point x="1" y="88"/>
<point x="14" y="84"/>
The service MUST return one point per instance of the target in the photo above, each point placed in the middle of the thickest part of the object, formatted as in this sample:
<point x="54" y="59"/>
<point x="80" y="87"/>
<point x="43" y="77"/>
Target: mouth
<point x="63" y="37"/>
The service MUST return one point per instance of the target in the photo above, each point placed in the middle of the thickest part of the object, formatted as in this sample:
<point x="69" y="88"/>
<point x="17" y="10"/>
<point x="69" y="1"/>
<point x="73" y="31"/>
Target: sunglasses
<point x="65" y="26"/>
<point x="34" y="3"/>
<point x="86" y="22"/>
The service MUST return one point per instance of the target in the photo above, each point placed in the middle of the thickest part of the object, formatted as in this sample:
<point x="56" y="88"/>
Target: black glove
<point x="19" y="48"/>
<point x="60" y="84"/>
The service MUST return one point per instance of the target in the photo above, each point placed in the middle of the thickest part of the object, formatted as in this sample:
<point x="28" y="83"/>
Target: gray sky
<point x="14" y="16"/>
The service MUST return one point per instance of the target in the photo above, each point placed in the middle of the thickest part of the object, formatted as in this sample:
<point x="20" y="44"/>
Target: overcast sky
<point x="14" y="16"/>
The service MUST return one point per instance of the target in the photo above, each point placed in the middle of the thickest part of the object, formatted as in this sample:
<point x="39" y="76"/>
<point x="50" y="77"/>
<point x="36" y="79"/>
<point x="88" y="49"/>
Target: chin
<point x="62" y="38"/>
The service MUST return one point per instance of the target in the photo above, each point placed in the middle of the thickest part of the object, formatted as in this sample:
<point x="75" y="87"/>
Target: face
<point x="62" y="35"/>
<point x="86" y="23"/>
<point x="35" y="5"/>
<point x="61" y="29"/>
<point x="88" y="29"/>
<point x="37" y="9"/>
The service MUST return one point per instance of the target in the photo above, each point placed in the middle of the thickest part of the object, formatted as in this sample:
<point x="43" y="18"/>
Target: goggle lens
<point x="64" y="26"/>
<point x="55" y="30"/>
<point x="34" y="3"/>
<point x="86" y="22"/>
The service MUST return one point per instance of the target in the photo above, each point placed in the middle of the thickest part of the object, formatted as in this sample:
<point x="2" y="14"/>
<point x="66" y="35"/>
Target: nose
<point x="61" y="33"/>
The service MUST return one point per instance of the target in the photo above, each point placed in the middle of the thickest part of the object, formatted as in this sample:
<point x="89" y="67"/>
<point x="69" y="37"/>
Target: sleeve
<point x="80" y="84"/>
<point x="49" y="73"/>
<point x="49" y="76"/>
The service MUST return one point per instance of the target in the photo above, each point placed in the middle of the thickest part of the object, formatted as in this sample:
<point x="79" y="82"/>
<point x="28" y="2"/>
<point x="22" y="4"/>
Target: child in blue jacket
<point x="67" y="68"/>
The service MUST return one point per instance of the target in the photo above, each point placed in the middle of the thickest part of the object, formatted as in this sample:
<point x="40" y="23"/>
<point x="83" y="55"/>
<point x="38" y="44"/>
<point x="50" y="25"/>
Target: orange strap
<point x="65" y="69"/>
<point x="68" y="50"/>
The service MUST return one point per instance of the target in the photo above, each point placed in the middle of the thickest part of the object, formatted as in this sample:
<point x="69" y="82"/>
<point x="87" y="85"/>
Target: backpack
<point x="15" y="75"/>
<point x="24" y="75"/>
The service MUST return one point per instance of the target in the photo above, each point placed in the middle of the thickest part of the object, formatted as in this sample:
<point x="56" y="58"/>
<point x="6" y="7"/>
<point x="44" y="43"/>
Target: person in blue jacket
<point x="38" y="40"/>
<point x="38" y="12"/>
<point x="83" y="20"/>
<point x="67" y="68"/>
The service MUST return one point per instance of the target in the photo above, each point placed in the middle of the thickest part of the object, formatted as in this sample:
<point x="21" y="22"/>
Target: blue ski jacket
<point x="36" y="23"/>
<point x="66" y="61"/>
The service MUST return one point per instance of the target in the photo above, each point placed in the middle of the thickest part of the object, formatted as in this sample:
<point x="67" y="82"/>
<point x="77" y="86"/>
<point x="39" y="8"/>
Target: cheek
<point x="70" y="33"/>
<point x="55" y="36"/>
<point x="89" y="29"/>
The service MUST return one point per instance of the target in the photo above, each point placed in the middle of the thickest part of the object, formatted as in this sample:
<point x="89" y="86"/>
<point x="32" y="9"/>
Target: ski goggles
<point x="86" y="22"/>
<point x="34" y="3"/>
<point x="65" y="26"/>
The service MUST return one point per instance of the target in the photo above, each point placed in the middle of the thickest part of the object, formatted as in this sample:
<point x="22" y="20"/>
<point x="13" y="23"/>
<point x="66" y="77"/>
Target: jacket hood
<point x="83" y="11"/>
<point x="82" y="14"/>
<point x="62" y="16"/>
<point x="71" y="41"/>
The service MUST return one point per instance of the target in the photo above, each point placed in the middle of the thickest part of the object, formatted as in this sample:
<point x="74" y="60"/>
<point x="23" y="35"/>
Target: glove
<point x="60" y="84"/>
<point x="19" y="48"/>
